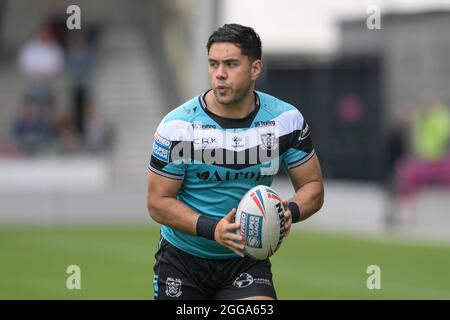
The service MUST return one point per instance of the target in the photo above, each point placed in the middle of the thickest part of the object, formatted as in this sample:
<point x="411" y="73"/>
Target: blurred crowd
<point x="419" y="153"/>
<point x="41" y="125"/>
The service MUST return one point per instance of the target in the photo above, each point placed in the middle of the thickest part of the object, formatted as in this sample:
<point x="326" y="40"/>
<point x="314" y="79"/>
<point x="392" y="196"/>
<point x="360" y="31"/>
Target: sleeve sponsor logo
<point x="162" y="141"/>
<point x="305" y="132"/>
<point x="161" y="148"/>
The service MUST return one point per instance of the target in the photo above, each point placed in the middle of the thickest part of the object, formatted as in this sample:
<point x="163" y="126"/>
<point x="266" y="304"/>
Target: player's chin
<point x="224" y="97"/>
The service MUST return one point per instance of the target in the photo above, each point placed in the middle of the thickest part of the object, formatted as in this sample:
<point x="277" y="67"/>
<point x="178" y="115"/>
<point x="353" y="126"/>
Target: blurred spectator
<point x="97" y="131"/>
<point x="56" y="21"/>
<point x="67" y="140"/>
<point x="29" y="133"/>
<point x="9" y="150"/>
<point x="396" y="142"/>
<point x="41" y="60"/>
<point x="79" y="64"/>
<point x="430" y="160"/>
<point x="432" y="131"/>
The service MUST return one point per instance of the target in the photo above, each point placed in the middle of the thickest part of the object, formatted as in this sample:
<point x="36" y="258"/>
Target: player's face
<point x="232" y="74"/>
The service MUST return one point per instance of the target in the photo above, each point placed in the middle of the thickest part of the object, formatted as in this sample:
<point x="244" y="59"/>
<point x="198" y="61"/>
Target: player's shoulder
<point x="186" y="112"/>
<point x="181" y="117"/>
<point x="285" y="112"/>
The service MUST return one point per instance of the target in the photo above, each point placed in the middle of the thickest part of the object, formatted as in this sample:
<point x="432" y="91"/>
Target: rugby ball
<point x="261" y="217"/>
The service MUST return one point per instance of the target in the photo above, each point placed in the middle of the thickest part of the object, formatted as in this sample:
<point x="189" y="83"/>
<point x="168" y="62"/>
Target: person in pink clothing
<point x="430" y="161"/>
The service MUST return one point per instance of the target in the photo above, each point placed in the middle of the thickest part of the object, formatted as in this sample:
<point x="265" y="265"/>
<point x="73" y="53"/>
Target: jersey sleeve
<point x="162" y="161"/>
<point x="300" y="148"/>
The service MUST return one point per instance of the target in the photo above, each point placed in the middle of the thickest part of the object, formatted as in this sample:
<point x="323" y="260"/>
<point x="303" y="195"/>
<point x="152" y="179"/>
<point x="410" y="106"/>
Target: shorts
<point x="180" y="275"/>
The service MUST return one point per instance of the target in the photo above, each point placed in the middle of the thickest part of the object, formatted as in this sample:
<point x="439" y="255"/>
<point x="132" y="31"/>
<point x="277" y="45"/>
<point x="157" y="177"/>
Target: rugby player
<point x="207" y="153"/>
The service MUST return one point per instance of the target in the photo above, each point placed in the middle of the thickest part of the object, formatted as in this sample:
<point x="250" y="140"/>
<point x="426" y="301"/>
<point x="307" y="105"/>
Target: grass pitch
<point x="116" y="263"/>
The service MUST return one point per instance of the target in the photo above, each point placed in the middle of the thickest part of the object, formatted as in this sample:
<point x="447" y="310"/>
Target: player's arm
<point x="309" y="192"/>
<point x="308" y="185"/>
<point x="303" y="168"/>
<point x="165" y="209"/>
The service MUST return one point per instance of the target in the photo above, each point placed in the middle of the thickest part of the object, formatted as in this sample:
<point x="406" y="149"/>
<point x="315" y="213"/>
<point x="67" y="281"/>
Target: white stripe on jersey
<point x="165" y="174"/>
<point x="179" y="130"/>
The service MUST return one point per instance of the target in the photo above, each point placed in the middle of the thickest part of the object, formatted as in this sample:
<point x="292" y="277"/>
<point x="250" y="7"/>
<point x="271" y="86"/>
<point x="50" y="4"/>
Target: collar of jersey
<point x="228" y="123"/>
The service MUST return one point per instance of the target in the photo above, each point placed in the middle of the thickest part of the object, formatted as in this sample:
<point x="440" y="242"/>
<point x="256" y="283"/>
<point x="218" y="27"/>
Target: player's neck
<point x="234" y="111"/>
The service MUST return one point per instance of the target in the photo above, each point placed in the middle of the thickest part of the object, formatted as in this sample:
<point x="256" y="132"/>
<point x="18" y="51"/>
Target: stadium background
<point x="70" y="204"/>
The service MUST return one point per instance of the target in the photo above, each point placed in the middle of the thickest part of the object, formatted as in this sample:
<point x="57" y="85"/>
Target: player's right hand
<point x="226" y="234"/>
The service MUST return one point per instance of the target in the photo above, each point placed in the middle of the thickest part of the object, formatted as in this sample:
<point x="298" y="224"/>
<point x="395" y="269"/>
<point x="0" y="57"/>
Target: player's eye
<point x="232" y="64"/>
<point x="213" y="64"/>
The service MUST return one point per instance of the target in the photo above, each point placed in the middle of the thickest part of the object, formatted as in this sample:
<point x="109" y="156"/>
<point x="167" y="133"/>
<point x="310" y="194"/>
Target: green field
<point x="116" y="263"/>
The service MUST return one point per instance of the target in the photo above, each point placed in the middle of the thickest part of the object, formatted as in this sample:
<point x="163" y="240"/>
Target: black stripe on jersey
<point x="157" y="166"/>
<point x="301" y="161"/>
<point x="301" y="143"/>
<point x="239" y="159"/>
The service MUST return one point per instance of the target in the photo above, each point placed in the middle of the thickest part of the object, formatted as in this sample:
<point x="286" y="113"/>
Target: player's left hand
<point x="226" y="233"/>
<point x="287" y="217"/>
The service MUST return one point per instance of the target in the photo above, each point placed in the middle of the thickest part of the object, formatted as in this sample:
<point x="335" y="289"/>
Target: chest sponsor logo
<point x="269" y="123"/>
<point x="200" y="126"/>
<point x="215" y="175"/>
<point x="206" y="142"/>
<point x="237" y="142"/>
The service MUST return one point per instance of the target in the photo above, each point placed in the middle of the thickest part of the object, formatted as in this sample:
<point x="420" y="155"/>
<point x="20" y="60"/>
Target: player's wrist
<point x="206" y="227"/>
<point x="295" y="211"/>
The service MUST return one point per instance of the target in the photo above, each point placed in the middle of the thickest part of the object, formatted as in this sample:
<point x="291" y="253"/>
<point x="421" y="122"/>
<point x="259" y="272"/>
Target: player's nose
<point x="221" y="72"/>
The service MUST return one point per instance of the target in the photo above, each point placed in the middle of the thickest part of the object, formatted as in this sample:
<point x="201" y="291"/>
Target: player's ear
<point x="256" y="69"/>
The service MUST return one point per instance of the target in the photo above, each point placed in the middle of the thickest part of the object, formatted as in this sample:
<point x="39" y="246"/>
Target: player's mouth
<point x="221" y="89"/>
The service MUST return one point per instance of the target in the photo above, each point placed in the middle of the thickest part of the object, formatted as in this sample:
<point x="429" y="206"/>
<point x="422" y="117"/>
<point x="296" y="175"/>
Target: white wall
<point x="305" y="26"/>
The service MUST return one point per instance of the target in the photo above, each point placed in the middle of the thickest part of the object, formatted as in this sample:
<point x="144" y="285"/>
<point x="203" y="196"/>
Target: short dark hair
<point x="244" y="37"/>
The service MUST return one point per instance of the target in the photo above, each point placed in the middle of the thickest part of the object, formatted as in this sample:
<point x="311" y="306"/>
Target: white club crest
<point x="173" y="287"/>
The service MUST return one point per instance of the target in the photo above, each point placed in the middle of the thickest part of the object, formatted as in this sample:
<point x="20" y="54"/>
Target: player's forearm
<point x="309" y="198"/>
<point x="173" y="213"/>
